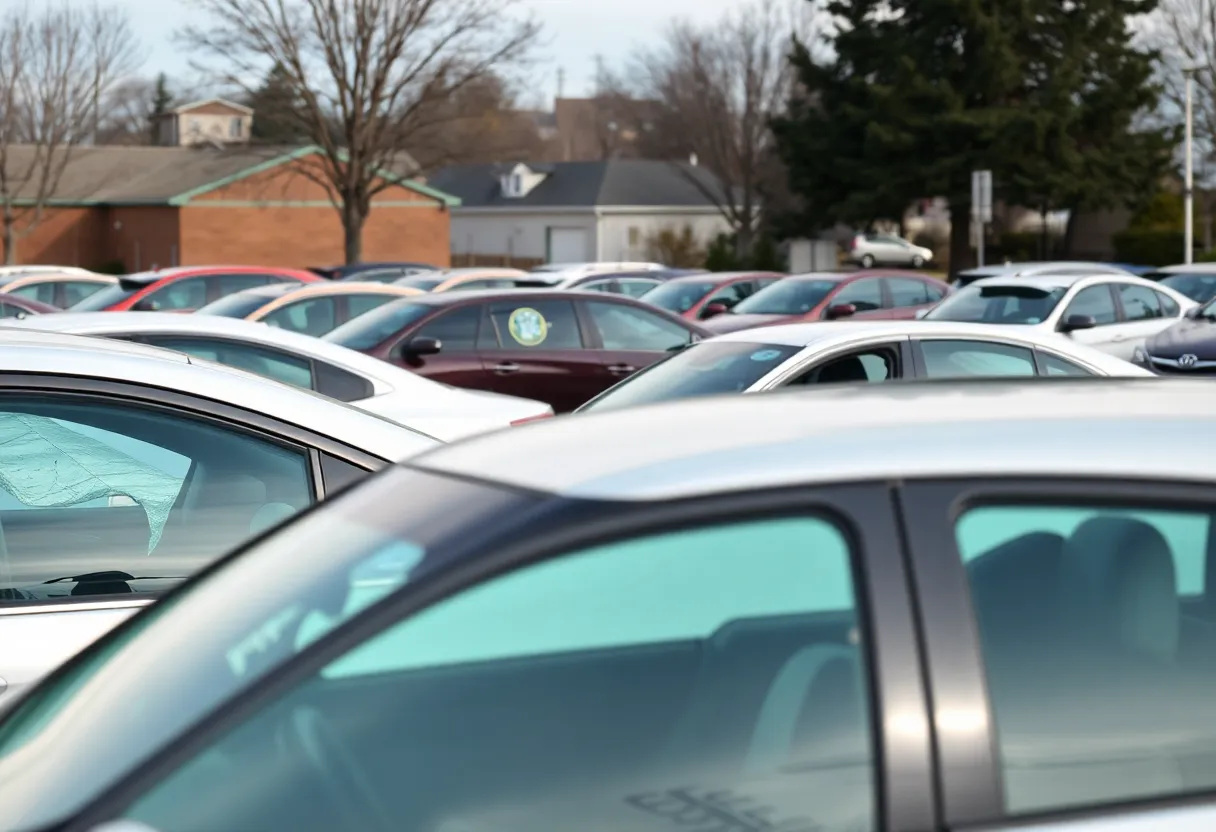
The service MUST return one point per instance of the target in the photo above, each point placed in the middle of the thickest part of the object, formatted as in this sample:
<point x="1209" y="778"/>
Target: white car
<point x="1115" y="313"/>
<point x="870" y="250"/>
<point x="124" y="469"/>
<point x="447" y="413"/>
<point x="1028" y="269"/>
<point x="560" y="272"/>
<point x="790" y="355"/>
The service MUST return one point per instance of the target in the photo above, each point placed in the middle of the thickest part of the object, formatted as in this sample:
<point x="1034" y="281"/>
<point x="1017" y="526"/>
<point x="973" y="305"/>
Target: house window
<point x="234" y="128"/>
<point x="195" y="125"/>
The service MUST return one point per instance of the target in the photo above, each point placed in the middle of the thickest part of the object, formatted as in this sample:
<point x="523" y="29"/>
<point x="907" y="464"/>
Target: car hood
<point x="733" y="323"/>
<point x="1186" y="336"/>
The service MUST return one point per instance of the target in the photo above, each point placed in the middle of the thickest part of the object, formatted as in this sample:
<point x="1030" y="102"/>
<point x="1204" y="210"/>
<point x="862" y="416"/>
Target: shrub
<point x="679" y="249"/>
<point x="111" y="267"/>
<point x="1149" y="247"/>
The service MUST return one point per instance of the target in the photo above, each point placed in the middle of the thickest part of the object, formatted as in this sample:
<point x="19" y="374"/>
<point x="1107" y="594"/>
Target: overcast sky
<point x="575" y="32"/>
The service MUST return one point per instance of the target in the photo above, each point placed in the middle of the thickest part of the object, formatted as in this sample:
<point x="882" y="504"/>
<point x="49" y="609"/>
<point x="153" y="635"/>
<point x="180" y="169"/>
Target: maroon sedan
<point x="15" y="306"/>
<point x="556" y="346"/>
<point x="698" y="297"/>
<point x="829" y="296"/>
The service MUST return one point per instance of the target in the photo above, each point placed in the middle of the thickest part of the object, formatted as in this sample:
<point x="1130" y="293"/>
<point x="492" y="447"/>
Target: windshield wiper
<point x="110" y="582"/>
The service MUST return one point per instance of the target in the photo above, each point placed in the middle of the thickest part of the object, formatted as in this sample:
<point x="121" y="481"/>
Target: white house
<point x="570" y="212"/>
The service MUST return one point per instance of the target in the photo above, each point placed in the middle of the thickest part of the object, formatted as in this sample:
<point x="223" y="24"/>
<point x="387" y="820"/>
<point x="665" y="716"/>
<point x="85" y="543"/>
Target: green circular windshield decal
<point x="528" y="327"/>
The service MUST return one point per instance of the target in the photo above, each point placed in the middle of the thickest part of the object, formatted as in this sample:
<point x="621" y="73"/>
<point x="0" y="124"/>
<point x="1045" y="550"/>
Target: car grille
<point x="1202" y="368"/>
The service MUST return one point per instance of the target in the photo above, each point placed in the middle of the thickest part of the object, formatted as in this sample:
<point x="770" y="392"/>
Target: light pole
<point x="1188" y="193"/>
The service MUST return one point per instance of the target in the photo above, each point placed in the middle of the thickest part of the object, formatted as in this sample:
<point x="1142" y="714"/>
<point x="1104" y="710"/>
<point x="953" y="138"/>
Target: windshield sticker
<point x="528" y="327"/>
<point x="766" y="355"/>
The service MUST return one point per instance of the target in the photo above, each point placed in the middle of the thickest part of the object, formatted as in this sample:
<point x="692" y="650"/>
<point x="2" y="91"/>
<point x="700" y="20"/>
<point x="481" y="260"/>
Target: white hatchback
<point x="1115" y="313"/>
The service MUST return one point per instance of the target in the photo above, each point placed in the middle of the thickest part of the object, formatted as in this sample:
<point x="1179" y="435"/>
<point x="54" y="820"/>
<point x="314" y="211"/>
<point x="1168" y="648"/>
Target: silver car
<point x="126" y="468"/>
<point x="368" y="383"/>
<point x="869" y="250"/>
<point x="965" y="605"/>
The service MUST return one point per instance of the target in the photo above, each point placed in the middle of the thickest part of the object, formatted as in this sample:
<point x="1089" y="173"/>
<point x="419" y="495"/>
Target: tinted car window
<point x="338" y="473"/>
<point x="1198" y="287"/>
<point x="1139" y="302"/>
<point x="730" y="295"/>
<point x="1168" y="305"/>
<point x="314" y="316"/>
<point x="89" y="488"/>
<point x="77" y="290"/>
<point x="703" y="369"/>
<point x="104" y="298"/>
<point x="907" y="292"/>
<point x="357" y="305"/>
<point x="455" y="330"/>
<point x="229" y="283"/>
<point x="1100" y="684"/>
<point x="187" y="293"/>
<point x="790" y="296"/>
<point x="678" y="295"/>
<point x="1095" y="301"/>
<point x="1056" y="366"/>
<point x="998" y="305"/>
<point x="536" y="324"/>
<point x="275" y="364"/>
<point x="368" y="331"/>
<point x="591" y="670"/>
<point x="341" y="384"/>
<point x="865" y="294"/>
<point x="626" y="328"/>
<point x="962" y="359"/>
<point x="41" y="292"/>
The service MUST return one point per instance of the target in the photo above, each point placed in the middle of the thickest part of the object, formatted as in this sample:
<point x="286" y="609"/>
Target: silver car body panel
<point x="1066" y="426"/>
<point x="444" y="412"/>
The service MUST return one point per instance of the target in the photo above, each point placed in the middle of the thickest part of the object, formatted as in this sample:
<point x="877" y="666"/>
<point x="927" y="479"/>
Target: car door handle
<point x="621" y="369"/>
<point x="506" y="368"/>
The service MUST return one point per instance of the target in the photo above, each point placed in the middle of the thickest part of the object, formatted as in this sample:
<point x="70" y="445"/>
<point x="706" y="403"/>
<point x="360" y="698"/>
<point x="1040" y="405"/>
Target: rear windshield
<point x="678" y="296"/>
<point x="104" y="299"/>
<point x="998" y="305"/>
<point x="240" y="305"/>
<point x="786" y="297"/>
<point x="1200" y="288"/>
<point x="703" y="369"/>
<point x="370" y="330"/>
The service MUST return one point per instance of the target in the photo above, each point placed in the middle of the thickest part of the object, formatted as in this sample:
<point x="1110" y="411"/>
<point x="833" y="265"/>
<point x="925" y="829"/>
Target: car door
<point x="751" y="697"/>
<point x="865" y="295"/>
<point x="629" y="339"/>
<point x="1075" y="615"/>
<point x="111" y="497"/>
<point x="1098" y="302"/>
<point x="459" y="361"/>
<point x="1142" y="317"/>
<point x="537" y="349"/>
<point x="307" y="316"/>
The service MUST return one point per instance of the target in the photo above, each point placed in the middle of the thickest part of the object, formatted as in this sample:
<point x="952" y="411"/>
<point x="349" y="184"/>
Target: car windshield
<point x="703" y="369"/>
<point x="1200" y="288"/>
<point x="104" y="299"/>
<point x="239" y="305"/>
<point x="678" y="296"/>
<point x="998" y="304"/>
<point x="425" y="282"/>
<point x="369" y="330"/>
<point x="786" y="297"/>
<point x="309" y="577"/>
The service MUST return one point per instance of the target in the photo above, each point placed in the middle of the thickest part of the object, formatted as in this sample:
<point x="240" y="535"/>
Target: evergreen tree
<point x="276" y="118"/>
<point x="162" y="100"/>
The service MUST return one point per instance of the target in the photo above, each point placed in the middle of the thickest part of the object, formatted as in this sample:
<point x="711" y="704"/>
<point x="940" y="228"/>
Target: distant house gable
<point x="213" y="107"/>
<point x="520" y="179"/>
<point x="215" y="121"/>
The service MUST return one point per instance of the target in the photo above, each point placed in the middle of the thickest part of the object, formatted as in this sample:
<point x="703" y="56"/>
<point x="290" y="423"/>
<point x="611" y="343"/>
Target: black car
<point x="1187" y="348"/>
<point x="849" y="611"/>
<point x="377" y="272"/>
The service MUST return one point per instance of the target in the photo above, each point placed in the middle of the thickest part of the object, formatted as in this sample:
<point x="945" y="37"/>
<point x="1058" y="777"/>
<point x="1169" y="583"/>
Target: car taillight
<point x="536" y="418"/>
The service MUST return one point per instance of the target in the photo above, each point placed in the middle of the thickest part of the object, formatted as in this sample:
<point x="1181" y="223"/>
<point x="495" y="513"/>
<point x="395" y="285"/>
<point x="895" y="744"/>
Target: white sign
<point x="981" y="195"/>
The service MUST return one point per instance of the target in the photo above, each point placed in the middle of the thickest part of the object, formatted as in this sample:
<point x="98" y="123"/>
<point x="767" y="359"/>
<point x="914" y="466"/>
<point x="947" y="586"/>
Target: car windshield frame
<point x="683" y="374"/>
<point x="787" y="291"/>
<point x="104" y="298"/>
<point x="1051" y="296"/>
<point x="369" y="330"/>
<point x="366" y="549"/>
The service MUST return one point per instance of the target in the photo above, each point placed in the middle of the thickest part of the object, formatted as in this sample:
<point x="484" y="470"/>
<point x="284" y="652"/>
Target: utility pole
<point x="561" y="83"/>
<point x="1188" y="231"/>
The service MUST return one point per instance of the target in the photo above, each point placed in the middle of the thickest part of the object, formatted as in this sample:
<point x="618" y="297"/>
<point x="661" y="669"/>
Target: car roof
<point x="482" y="271"/>
<point x="1188" y="268"/>
<point x="717" y="277"/>
<point x="826" y="333"/>
<point x="53" y="277"/>
<point x="150" y="277"/>
<point x="345" y="287"/>
<point x="1052" y="427"/>
<point x="25" y="348"/>
<point x="1063" y="281"/>
<point x="1042" y="267"/>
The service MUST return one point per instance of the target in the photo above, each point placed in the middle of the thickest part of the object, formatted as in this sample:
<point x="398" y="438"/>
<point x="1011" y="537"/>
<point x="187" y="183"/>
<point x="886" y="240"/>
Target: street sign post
<point x="981" y="206"/>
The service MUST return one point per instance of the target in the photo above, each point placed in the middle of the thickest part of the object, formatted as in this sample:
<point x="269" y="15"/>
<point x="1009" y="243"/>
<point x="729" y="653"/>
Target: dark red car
<point x="15" y="306"/>
<point x="699" y="297"/>
<point x="556" y="346"/>
<point x="830" y="296"/>
<point x="185" y="288"/>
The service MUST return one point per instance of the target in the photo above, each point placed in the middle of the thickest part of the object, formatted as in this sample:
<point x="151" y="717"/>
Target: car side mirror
<point x="145" y="305"/>
<point x="1075" y="322"/>
<point x="421" y="345"/>
<point x="714" y="309"/>
<point x="1193" y="313"/>
<point x="840" y="310"/>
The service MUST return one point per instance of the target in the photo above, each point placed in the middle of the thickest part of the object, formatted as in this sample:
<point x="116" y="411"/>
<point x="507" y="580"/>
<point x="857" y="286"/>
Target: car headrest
<point x="269" y="515"/>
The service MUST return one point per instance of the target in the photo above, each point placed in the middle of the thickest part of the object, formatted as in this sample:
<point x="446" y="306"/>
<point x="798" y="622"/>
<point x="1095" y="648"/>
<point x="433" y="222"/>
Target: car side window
<point x="729" y="295"/>
<point x="97" y="490"/>
<point x="77" y="290"/>
<point x="187" y="293"/>
<point x="356" y="305"/>
<point x="873" y="364"/>
<point x="1096" y="302"/>
<point x="338" y="473"/>
<point x="635" y="288"/>
<point x="1098" y="662"/>
<point x="624" y="327"/>
<point x="633" y="703"/>
<point x="907" y="292"/>
<point x="935" y="291"/>
<point x="1139" y="302"/>
<point x="1169" y="306"/>
<point x="275" y="364"/>
<point x="456" y="331"/>
<point x="41" y="292"/>
<point x="1056" y="366"/>
<point x="963" y="359"/>
<point x="538" y="324"/>
<point x="864" y="294"/>
<point x="230" y="283"/>
<point x="313" y="316"/>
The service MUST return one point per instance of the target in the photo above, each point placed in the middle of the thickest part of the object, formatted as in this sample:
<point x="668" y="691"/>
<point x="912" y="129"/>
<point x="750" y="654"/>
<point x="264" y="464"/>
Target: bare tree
<point x="55" y="62"/>
<point x="369" y="75"/>
<point x="712" y="89"/>
<point x="115" y="54"/>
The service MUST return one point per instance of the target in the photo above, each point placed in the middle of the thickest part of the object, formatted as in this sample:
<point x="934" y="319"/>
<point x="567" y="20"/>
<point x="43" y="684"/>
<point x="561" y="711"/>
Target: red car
<point x="15" y="306"/>
<point x="185" y="288"/>
<point x="701" y="296"/>
<point x="830" y="296"/>
<point x="557" y="346"/>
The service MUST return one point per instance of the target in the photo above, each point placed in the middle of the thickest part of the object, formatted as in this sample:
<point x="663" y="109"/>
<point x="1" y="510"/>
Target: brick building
<point x="162" y="206"/>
